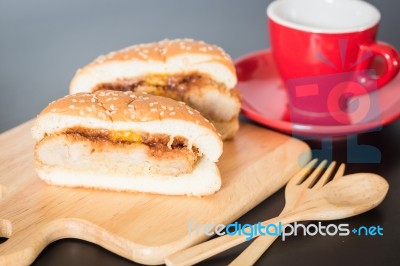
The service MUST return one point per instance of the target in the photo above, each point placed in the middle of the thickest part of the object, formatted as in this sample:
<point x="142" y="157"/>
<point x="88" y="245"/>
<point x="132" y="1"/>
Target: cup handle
<point x="391" y="58"/>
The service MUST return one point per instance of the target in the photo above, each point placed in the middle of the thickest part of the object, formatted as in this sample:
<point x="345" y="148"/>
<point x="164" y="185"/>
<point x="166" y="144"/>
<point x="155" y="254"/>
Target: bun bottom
<point x="227" y="129"/>
<point x="204" y="180"/>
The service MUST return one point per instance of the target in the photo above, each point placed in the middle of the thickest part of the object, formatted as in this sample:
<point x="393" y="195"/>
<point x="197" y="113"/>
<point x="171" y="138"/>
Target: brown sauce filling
<point x="159" y="142"/>
<point x="172" y="86"/>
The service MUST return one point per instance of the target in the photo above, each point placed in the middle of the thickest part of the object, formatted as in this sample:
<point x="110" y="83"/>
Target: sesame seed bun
<point x="200" y="74"/>
<point x="166" y="57"/>
<point x="65" y="156"/>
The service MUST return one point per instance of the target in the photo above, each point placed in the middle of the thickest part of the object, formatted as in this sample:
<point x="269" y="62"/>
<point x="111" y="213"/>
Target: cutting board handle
<point x="23" y="247"/>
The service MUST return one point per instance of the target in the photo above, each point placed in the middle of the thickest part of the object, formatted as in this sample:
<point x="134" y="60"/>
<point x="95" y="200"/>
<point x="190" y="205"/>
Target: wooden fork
<point x="295" y="192"/>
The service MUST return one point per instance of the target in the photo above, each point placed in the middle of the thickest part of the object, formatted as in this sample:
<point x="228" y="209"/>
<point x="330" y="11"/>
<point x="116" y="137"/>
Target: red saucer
<point x="265" y="101"/>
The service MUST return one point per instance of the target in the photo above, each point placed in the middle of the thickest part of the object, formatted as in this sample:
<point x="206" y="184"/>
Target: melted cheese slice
<point x="125" y="135"/>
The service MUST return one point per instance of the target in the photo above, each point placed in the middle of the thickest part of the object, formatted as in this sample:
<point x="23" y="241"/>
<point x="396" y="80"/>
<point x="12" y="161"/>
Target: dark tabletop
<point x="43" y="42"/>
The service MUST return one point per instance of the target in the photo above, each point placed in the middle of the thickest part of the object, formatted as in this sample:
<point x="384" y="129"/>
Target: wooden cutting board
<point x="141" y="227"/>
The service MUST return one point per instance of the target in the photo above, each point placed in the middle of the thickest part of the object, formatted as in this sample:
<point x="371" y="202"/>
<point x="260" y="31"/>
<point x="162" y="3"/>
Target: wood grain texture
<point x="141" y="227"/>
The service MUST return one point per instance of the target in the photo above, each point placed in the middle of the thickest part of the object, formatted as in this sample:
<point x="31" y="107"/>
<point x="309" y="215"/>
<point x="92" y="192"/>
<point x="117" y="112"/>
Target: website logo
<point x="284" y="231"/>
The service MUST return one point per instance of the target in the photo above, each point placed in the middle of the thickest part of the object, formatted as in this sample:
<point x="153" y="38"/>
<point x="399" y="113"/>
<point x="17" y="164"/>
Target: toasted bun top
<point x="134" y="111"/>
<point x="178" y="56"/>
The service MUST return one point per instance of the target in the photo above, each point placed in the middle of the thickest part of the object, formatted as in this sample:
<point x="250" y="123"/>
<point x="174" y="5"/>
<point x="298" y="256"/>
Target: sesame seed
<point x="54" y="110"/>
<point x="89" y="109"/>
<point x="108" y="99"/>
<point x="163" y="107"/>
<point x="205" y="119"/>
<point x="182" y="103"/>
<point x="190" y="112"/>
<point x="71" y="106"/>
<point x="151" y="104"/>
<point x="146" y="98"/>
<point x="74" y="100"/>
<point x="81" y="112"/>
<point x="161" y="113"/>
<point x="171" y="108"/>
<point x="108" y="112"/>
<point x="131" y="106"/>
<point x="172" y="113"/>
<point x="197" y="122"/>
<point x="93" y="100"/>
<point x="100" y="104"/>
<point x="81" y="101"/>
<point x="112" y="107"/>
<point x="100" y="58"/>
<point x="153" y="109"/>
<point x="115" y="98"/>
<point x="133" y="116"/>
<point x="133" y="96"/>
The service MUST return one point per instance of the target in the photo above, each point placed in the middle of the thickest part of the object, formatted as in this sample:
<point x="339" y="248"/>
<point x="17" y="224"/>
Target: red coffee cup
<point x="323" y="50"/>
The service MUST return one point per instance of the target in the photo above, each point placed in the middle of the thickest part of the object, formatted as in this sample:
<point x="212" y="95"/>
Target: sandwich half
<point x="127" y="141"/>
<point x="200" y="74"/>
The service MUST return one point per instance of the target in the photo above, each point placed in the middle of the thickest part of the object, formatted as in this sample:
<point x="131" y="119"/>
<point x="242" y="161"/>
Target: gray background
<point x="43" y="42"/>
